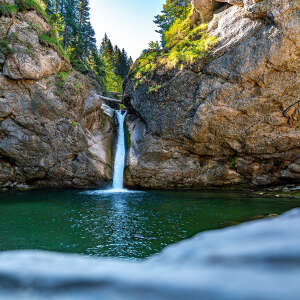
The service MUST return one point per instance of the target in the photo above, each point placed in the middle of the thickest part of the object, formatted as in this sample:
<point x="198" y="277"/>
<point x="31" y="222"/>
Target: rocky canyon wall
<point x="53" y="132"/>
<point x="229" y="118"/>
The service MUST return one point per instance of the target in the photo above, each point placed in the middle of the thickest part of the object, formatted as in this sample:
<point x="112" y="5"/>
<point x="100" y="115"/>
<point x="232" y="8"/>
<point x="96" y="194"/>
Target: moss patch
<point x="154" y="88"/>
<point x="51" y="41"/>
<point x="232" y="162"/>
<point x="8" y="10"/>
<point x="187" y="44"/>
<point x="5" y="49"/>
<point x="60" y="81"/>
<point x="145" y="66"/>
<point x="37" y="5"/>
<point x="49" y="38"/>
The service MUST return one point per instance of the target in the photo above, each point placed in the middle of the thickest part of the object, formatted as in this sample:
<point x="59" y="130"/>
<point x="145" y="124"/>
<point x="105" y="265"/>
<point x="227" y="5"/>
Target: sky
<point x="128" y="23"/>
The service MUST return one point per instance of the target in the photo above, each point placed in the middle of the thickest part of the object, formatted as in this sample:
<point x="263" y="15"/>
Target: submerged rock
<point x="53" y="132"/>
<point x="256" y="260"/>
<point x="231" y="117"/>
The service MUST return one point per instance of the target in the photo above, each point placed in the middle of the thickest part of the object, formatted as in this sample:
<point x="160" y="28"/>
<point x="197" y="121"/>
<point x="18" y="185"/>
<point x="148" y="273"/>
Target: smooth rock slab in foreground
<point x="257" y="260"/>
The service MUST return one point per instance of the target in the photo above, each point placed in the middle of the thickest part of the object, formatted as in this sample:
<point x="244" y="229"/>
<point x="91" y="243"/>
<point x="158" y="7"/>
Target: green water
<point x="130" y="225"/>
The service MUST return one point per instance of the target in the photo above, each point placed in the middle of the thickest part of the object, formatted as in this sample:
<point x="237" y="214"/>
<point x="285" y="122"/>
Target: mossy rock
<point x="8" y="10"/>
<point x="5" y="48"/>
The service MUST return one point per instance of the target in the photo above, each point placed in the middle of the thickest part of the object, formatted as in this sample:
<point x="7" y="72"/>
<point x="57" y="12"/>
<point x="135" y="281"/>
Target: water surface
<point x="128" y="225"/>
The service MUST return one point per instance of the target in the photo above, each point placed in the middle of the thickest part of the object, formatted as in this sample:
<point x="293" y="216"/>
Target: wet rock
<point x="292" y="171"/>
<point x="247" y="261"/>
<point x="7" y="173"/>
<point x="285" y="191"/>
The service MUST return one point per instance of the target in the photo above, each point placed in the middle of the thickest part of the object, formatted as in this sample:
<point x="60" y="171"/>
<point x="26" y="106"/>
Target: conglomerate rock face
<point x="52" y="129"/>
<point x="230" y="118"/>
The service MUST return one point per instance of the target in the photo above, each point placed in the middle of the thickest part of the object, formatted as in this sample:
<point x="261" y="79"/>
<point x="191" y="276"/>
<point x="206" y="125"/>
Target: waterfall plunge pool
<point x="124" y="225"/>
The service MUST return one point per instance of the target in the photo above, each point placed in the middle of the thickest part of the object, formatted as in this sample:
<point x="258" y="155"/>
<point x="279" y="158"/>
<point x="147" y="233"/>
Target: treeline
<point x="71" y="20"/>
<point x="116" y="63"/>
<point x="172" y="11"/>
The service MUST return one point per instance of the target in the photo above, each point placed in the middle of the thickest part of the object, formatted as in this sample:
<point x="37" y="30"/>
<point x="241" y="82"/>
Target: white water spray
<point x="120" y="153"/>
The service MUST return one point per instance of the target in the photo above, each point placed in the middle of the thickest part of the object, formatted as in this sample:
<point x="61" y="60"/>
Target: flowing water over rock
<point x="120" y="153"/>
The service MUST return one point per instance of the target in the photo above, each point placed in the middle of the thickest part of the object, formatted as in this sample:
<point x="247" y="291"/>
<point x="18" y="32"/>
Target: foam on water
<point x="111" y="191"/>
<point x="119" y="162"/>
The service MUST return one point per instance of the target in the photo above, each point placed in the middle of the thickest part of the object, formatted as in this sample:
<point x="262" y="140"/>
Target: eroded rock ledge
<point x="231" y="117"/>
<point x="53" y="132"/>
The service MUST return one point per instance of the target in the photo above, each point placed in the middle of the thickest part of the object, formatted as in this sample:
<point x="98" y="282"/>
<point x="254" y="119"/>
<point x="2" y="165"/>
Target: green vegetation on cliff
<point x="37" y="5"/>
<point x="182" y="43"/>
<point x="5" y="49"/>
<point x="72" y="36"/>
<point x="187" y="44"/>
<point x="172" y="11"/>
<point x="7" y="10"/>
<point x="50" y="38"/>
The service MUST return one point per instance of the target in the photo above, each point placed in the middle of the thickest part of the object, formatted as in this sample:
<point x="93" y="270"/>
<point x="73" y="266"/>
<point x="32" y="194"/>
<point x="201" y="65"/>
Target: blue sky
<point x="128" y="23"/>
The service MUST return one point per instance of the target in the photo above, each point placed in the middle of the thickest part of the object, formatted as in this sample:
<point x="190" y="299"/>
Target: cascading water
<point x="120" y="153"/>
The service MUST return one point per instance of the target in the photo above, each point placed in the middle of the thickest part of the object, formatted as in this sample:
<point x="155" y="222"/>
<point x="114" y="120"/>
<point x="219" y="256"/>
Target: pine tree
<point x="87" y="33"/>
<point x="51" y="7"/>
<point x="124" y="64"/>
<point x="130" y="62"/>
<point x="172" y="10"/>
<point x="106" y="48"/>
<point x="72" y="26"/>
<point x="70" y="18"/>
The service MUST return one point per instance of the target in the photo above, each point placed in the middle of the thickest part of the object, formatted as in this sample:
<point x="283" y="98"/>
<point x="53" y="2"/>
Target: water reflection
<point x="127" y="225"/>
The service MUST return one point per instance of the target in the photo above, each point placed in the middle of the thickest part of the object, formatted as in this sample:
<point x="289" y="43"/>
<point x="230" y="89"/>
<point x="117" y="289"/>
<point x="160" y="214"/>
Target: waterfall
<point x="120" y="152"/>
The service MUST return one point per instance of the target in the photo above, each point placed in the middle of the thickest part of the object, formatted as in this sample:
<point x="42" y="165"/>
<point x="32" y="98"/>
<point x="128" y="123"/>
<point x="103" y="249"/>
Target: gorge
<point x="170" y="181"/>
<point x="228" y="117"/>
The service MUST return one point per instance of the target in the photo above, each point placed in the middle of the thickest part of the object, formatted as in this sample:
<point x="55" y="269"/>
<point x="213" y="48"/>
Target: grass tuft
<point x="37" y="5"/>
<point x="8" y="10"/>
<point x="5" y="49"/>
<point x="49" y="38"/>
<point x="54" y="42"/>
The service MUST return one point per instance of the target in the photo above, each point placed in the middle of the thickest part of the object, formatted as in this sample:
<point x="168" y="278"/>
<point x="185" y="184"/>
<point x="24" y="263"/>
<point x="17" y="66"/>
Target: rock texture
<point x="203" y="10"/>
<point x="53" y="131"/>
<point x="258" y="260"/>
<point x="231" y="117"/>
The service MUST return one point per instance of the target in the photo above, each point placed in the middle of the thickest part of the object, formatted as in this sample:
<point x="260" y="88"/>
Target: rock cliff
<point x="53" y="131"/>
<point x="229" y="117"/>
